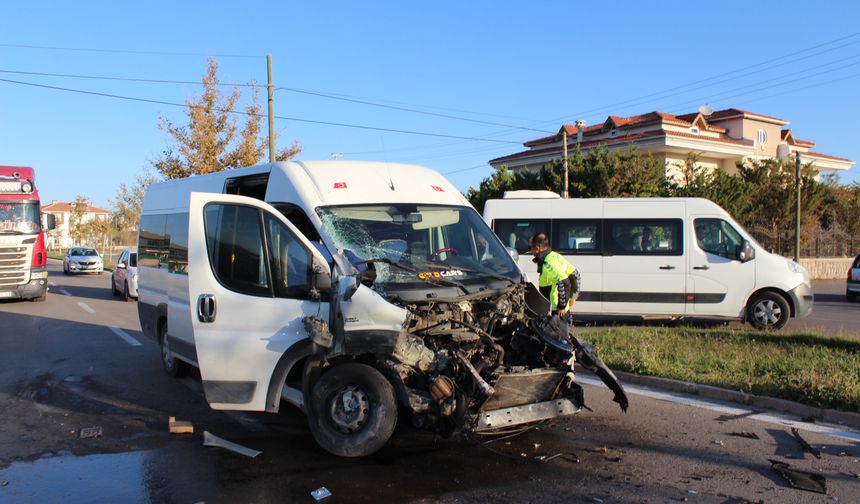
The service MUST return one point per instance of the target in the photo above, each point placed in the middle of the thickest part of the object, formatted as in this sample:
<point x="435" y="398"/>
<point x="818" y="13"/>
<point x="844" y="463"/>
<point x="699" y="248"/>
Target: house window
<point x="762" y="137"/>
<point x="613" y="132"/>
<point x="694" y="130"/>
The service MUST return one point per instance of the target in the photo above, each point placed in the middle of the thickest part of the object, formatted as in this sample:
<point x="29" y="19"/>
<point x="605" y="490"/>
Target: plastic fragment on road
<point x="179" y="426"/>
<point x="801" y="480"/>
<point x="210" y="439"/>
<point x="320" y="493"/>
<point x="3" y="483"/>
<point x="91" y="432"/>
<point x="806" y="446"/>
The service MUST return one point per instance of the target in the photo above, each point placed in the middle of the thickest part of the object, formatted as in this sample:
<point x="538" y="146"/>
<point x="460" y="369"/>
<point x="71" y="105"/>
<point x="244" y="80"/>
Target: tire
<point x="113" y="289"/>
<point x="352" y="433"/>
<point x="850" y="296"/>
<point x="174" y="367"/>
<point x="768" y="310"/>
<point x="65" y="270"/>
<point x="125" y="296"/>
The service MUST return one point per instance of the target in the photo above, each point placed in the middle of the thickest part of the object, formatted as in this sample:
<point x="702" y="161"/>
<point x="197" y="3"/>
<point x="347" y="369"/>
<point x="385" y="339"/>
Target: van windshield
<point x="436" y="242"/>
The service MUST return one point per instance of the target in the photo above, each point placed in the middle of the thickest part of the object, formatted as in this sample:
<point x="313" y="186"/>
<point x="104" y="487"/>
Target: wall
<point x="827" y="268"/>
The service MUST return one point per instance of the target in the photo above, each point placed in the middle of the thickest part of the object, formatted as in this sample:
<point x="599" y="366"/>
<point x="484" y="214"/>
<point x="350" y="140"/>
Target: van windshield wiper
<point x="438" y="281"/>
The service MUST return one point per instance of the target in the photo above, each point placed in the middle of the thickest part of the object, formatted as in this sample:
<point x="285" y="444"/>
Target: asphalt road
<point x="78" y="360"/>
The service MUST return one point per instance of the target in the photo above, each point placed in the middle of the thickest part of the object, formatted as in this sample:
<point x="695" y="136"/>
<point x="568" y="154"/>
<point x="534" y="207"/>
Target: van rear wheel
<point x="352" y="410"/>
<point x="174" y="367"/>
<point x="768" y="310"/>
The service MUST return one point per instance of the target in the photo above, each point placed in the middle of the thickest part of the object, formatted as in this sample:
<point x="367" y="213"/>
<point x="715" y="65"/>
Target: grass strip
<point x="803" y="367"/>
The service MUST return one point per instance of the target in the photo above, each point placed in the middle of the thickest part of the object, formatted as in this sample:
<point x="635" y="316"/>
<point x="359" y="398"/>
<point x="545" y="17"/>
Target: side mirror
<point x="49" y="221"/>
<point x="514" y="254"/>
<point x="320" y="277"/>
<point x="747" y="252"/>
<point x="120" y="265"/>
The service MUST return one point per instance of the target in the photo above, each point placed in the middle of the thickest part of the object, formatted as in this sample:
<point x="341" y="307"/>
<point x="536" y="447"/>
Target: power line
<point x="126" y="79"/>
<point x="126" y="51"/>
<point x="286" y="118"/>
<point x="404" y="109"/>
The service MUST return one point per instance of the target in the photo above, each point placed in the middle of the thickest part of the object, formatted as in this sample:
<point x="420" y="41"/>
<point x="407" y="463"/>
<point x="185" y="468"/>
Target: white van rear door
<point x="249" y="274"/>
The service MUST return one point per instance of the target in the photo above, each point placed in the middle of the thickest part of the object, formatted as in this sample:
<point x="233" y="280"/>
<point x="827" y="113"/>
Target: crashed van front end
<point x="443" y="315"/>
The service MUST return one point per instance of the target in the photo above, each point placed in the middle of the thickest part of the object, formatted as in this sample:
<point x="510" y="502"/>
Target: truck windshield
<point x="437" y="243"/>
<point x="18" y="217"/>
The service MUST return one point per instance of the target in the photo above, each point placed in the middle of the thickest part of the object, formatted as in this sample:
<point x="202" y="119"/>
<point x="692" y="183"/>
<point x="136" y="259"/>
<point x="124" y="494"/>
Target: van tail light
<point x="40" y="258"/>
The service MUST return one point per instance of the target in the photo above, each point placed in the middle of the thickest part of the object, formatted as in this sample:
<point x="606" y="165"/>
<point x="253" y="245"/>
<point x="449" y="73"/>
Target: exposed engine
<point x="487" y="363"/>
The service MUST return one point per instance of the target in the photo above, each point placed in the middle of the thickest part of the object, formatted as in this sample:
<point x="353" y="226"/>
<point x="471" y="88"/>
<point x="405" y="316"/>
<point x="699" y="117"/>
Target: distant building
<point x="721" y="140"/>
<point x="61" y="237"/>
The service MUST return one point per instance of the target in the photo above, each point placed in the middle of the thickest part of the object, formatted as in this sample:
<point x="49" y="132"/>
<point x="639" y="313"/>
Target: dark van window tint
<point x="576" y="236"/>
<point x="516" y="233"/>
<point x="291" y="262"/>
<point x="298" y="218"/>
<point x="132" y="260"/>
<point x="644" y="237"/>
<point x="234" y="240"/>
<point x="153" y="241"/>
<point x="177" y="231"/>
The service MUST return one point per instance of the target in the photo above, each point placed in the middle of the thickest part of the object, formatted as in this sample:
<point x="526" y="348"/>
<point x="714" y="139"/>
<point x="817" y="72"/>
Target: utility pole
<point x="797" y="210"/>
<point x="564" y="193"/>
<point x="271" y="87"/>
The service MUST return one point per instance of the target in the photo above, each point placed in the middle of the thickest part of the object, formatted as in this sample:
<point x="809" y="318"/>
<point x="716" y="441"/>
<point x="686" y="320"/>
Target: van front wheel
<point x="352" y="410"/>
<point x="768" y="310"/>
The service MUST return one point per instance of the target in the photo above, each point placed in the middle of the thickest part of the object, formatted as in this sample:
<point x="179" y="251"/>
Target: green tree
<point x="212" y="141"/>
<point x="127" y="204"/>
<point x="76" y="218"/>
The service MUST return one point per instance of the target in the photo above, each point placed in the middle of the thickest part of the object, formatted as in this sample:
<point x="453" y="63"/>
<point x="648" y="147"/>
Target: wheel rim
<point x="767" y="312"/>
<point x="166" y="354"/>
<point x="349" y="409"/>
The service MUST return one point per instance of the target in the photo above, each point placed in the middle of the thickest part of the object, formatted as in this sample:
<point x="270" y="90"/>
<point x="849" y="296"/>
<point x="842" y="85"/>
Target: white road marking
<point x="128" y="338"/>
<point x="86" y="307"/>
<point x="65" y="292"/>
<point x="729" y="410"/>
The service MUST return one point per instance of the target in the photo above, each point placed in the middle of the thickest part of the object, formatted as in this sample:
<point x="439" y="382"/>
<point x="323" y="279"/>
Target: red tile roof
<point x="62" y="206"/>
<point x="732" y="112"/>
<point x="824" y="156"/>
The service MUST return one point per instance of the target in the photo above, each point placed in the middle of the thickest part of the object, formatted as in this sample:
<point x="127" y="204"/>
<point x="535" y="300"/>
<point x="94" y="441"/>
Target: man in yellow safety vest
<point x="559" y="280"/>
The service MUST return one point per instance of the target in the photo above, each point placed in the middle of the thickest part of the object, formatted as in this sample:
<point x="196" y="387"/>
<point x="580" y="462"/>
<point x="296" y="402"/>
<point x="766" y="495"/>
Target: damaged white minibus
<point x="352" y="290"/>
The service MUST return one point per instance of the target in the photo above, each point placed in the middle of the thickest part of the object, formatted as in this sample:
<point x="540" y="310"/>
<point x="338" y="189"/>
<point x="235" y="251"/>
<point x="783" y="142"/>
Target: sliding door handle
<point x="667" y="267"/>
<point x="705" y="267"/>
<point x="206" y="308"/>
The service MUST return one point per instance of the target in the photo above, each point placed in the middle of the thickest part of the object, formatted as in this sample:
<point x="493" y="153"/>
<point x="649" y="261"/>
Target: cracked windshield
<point x="19" y="218"/>
<point x="426" y="243"/>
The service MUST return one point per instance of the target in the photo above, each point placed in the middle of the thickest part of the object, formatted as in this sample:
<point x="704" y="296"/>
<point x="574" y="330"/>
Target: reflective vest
<point x="555" y="269"/>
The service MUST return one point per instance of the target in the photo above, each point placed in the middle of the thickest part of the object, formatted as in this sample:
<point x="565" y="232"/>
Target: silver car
<point x="82" y="260"/>
<point x="124" y="276"/>
<point x="852" y="288"/>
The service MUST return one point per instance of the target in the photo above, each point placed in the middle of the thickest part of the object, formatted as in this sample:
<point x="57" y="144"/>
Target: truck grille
<point x="14" y="267"/>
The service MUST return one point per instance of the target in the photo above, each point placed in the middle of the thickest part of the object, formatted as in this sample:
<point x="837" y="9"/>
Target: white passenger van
<point x="656" y="257"/>
<point x="351" y="290"/>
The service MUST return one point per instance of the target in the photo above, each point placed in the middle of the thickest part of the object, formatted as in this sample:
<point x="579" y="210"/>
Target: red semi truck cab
<point x="23" y="259"/>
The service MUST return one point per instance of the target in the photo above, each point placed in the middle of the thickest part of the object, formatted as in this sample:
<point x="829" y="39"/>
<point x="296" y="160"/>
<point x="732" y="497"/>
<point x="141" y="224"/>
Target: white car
<point x="852" y="289"/>
<point x="123" y="280"/>
<point x="82" y="260"/>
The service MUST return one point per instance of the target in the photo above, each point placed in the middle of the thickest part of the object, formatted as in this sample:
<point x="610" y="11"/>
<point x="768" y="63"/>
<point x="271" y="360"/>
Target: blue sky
<point x="518" y="64"/>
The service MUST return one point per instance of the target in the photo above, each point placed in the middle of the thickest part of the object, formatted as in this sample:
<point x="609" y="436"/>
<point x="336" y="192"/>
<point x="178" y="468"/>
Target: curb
<point x="711" y="392"/>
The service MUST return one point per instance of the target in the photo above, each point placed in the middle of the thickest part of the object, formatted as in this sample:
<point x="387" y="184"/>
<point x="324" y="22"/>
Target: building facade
<point x="61" y="236"/>
<point x="720" y="140"/>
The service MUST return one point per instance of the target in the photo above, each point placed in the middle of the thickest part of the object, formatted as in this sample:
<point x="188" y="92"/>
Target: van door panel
<point x="719" y="284"/>
<point x="644" y="266"/>
<point x="230" y="283"/>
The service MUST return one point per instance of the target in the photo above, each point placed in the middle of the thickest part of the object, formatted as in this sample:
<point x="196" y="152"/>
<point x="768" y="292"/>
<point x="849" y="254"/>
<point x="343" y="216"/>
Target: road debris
<point x="179" y="426"/>
<point x="91" y="432"/>
<point x="210" y="439"/>
<point x="806" y="446"/>
<point x="802" y="480"/>
<point x="320" y="493"/>
<point x="3" y="483"/>
<point x="718" y="442"/>
<point x="691" y="491"/>
<point x="602" y="449"/>
<point x="745" y="434"/>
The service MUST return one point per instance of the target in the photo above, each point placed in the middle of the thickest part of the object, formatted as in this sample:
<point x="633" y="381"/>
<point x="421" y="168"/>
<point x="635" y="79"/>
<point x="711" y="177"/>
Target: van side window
<point x="718" y="237"/>
<point x="177" y="231"/>
<point x="576" y="236"/>
<point x="234" y="239"/>
<point x="153" y="241"/>
<point x="291" y="262"/>
<point x="644" y="237"/>
<point x="516" y="233"/>
<point x="298" y="218"/>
